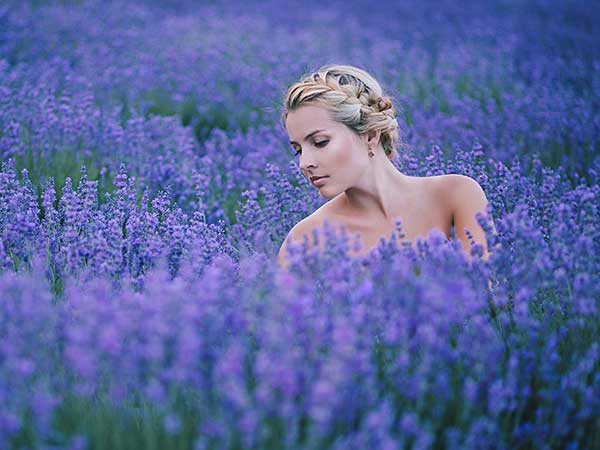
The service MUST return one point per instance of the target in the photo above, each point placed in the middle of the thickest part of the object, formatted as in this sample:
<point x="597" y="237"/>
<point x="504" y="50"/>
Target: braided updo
<point x="353" y="97"/>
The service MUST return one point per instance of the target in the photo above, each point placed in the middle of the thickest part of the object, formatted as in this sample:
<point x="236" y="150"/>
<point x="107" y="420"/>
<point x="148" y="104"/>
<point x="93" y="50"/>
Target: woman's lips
<point x="318" y="182"/>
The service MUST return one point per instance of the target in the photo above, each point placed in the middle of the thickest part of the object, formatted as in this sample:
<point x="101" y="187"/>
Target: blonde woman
<point x="345" y="134"/>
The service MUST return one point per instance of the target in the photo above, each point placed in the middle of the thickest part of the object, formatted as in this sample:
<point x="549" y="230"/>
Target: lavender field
<point x="147" y="185"/>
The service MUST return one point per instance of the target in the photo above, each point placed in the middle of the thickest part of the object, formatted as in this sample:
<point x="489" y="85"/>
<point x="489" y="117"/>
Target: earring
<point x="371" y="154"/>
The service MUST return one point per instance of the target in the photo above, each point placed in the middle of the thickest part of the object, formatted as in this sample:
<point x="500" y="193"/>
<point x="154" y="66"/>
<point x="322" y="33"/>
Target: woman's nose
<point x="307" y="160"/>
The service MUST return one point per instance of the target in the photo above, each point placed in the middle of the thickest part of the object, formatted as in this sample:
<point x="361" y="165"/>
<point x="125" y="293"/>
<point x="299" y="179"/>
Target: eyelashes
<point x="318" y="144"/>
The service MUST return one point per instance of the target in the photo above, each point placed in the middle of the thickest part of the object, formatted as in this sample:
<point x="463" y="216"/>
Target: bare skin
<point x="421" y="210"/>
<point x="367" y="193"/>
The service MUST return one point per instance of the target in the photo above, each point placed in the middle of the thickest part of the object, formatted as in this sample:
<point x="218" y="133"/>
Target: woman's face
<point x="334" y="152"/>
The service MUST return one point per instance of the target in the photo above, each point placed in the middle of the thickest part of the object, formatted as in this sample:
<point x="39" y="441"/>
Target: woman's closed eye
<point x="318" y="144"/>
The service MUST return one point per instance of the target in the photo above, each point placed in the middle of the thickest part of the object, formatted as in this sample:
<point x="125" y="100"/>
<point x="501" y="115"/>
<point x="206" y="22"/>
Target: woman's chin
<point x="327" y="193"/>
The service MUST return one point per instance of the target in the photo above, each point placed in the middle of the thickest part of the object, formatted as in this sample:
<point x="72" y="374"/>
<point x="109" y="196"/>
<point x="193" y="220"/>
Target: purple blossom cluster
<point x="77" y="237"/>
<point x="53" y="131"/>
<point x="409" y="349"/>
<point x="146" y="187"/>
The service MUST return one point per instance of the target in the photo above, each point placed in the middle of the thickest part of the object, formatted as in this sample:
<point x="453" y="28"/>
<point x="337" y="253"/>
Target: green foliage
<point x="63" y="164"/>
<point x="133" y="425"/>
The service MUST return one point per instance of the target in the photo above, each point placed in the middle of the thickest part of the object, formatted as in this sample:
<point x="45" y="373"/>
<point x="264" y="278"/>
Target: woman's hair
<point x="352" y="96"/>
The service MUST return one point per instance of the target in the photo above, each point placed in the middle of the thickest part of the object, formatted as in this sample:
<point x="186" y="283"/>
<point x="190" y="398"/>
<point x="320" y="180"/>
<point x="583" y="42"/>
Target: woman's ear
<point x="372" y="138"/>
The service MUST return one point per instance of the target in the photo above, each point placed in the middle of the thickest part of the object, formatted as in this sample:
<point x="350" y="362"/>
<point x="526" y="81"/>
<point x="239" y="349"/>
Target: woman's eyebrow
<point x="307" y="136"/>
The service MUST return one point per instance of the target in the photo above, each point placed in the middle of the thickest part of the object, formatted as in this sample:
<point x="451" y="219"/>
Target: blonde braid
<point x="352" y="96"/>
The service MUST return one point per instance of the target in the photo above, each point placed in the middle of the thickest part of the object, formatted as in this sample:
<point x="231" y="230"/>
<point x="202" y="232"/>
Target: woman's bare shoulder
<point x="297" y="235"/>
<point x="451" y="187"/>
<point x="304" y="228"/>
<point x="441" y="189"/>
<point x="450" y="181"/>
<point x="437" y="183"/>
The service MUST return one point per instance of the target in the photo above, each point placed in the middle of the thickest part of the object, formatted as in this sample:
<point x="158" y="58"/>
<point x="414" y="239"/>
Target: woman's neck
<point x="378" y="191"/>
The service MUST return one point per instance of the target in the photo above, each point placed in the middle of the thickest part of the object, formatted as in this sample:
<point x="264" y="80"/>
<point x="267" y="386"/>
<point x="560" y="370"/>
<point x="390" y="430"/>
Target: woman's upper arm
<point x="281" y="256"/>
<point x="466" y="200"/>
<point x="295" y="235"/>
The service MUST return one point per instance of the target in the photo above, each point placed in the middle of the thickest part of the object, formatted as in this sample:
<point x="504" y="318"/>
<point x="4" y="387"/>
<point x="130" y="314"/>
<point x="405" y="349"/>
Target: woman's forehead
<point x="305" y="117"/>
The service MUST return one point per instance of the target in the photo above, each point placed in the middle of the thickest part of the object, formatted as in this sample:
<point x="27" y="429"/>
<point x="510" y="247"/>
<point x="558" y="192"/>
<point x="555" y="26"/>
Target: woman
<point x="345" y="133"/>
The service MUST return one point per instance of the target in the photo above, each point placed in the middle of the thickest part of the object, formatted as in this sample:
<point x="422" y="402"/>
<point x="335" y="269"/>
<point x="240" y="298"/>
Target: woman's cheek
<point x="346" y="163"/>
<point x="344" y="158"/>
